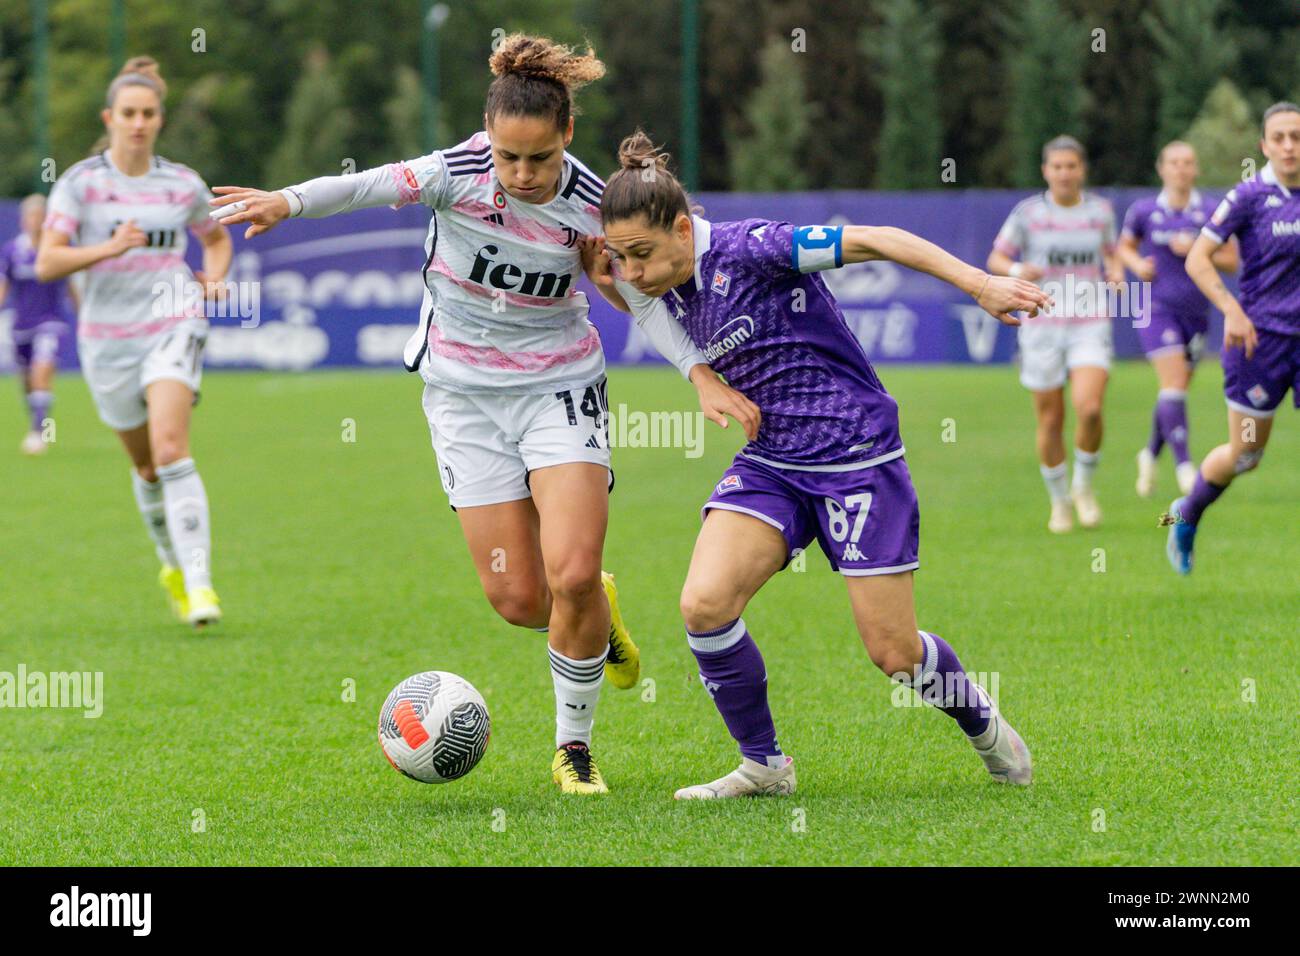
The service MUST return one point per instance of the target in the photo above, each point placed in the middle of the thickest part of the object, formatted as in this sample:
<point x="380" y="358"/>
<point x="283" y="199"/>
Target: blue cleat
<point x="1182" y="537"/>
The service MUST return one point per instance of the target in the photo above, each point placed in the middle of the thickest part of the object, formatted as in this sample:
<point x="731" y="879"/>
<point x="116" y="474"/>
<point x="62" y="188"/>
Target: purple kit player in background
<point x="1261" y="332"/>
<point x="826" y="462"/>
<point x="39" y="319"/>
<point x="1157" y="235"/>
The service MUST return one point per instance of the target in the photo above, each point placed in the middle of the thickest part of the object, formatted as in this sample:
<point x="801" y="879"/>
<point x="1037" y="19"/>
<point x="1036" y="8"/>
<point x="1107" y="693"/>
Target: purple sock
<point x="38" y="403"/>
<point x="942" y="681"/>
<point x="1171" y="412"/>
<point x="733" y="673"/>
<point x="1157" y="439"/>
<point x="1204" y="493"/>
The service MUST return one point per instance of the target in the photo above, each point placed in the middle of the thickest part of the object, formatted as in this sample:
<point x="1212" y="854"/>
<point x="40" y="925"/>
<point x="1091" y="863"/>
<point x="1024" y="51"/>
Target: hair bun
<point x="543" y="58"/>
<point x="638" y="151"/>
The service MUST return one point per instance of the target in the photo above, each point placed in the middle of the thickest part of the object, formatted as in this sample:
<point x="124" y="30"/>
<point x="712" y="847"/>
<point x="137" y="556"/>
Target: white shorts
<point x="119" y="391"/>
<point x="1049" y="351"/>
<point x="487" y="443"/>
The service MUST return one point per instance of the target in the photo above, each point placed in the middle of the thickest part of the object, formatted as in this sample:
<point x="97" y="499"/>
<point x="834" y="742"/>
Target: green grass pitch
<point x="1161" y="711"/>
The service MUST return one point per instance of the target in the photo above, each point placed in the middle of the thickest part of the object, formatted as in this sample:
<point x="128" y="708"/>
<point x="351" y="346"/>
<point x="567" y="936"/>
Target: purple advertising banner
<point x="346" y="291"/>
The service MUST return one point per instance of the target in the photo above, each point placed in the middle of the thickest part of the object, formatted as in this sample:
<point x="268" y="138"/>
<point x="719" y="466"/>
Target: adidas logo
<point x="592" y="443"/>
<point x="495" y="218"/>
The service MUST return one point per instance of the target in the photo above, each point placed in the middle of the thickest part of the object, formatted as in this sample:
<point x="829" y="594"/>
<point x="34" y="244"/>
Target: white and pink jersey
<point x="121" y="311"/>
<point x="501" y="308"/>
<point x="1066" y="243"/>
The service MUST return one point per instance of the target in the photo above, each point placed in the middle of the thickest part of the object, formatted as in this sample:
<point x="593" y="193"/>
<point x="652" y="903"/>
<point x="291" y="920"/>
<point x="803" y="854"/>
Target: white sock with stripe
<point x="577" y="688"/>
<point x="1056" y="479"/>
<point x="149" y="499"/>
<point x="186" y="502"/>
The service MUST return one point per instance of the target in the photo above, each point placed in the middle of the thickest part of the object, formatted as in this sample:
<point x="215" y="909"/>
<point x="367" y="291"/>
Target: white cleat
<point x="1062" y="519"/>
<point x="750" y="779"/>
<point x="1147" y="471"/>
<point x="33" y="444"/>
<point x="1005" y="755"/>
<point x="1085" y="504"/>
<point x="1186" y="475"/>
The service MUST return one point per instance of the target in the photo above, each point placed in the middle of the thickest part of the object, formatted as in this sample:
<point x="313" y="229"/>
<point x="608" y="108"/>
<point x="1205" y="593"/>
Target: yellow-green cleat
<point x="204" y="607"/>
<point x="623" y="665"/>
<point x="172" y="581"/>
<point x="575" y="771"/>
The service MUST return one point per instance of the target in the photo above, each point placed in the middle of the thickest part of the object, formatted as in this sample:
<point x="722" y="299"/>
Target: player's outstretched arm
<point x="999" y="296"/>
<point x="1238" y="330"/>
<point x="391" y="185"/>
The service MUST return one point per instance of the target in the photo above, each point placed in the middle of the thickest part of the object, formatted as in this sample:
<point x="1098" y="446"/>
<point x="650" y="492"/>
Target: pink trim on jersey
<point x="482" y="179"/>
<point x="108" y="330"/>
<point x="149" y="262"/>
<point x="166" y="198"/>
<point x="1006" y="247"/>
<point x="440" y="266"/>
<point x="521" y="226"/>
<point x="62" y="222"/>
<point x="1051" y="225"/>
<point x="488" y="357"/>
<point x="408" y="188"/>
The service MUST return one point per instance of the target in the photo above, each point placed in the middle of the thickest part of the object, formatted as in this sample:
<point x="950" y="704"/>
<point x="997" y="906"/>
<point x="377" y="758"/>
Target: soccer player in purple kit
<point x="39" y="319"/>
<point x="1261" y="330"/>
<point x="827" y="460"/>
<point x="1156" y="237"/>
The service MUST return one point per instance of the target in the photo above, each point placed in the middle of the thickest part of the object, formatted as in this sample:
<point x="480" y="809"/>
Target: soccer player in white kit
<point x="514" y="373"/>
<point x="1065" y="238"/>
<point x="120" y="218"/>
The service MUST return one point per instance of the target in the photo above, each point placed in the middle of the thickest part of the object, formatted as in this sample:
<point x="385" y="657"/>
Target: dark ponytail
<point x="643" y="186"/>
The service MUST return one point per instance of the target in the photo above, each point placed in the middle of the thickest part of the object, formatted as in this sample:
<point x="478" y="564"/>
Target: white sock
<point x="1055" y="479"/>
<point x="187" y="520"/>
<point x="577" y="688"/>
<point x="149" y="499"/>
<point x="1085" y="463"/>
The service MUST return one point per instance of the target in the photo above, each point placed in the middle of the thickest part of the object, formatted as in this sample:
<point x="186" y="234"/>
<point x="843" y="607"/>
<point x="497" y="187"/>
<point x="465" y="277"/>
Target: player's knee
<point x="575" y="582"/>
<point x="168" y="446"/>
<point x="1247" y="460"/>
<point x="521" y="606"/>
<point x="1088" y="411"/>
<point x="706" y="609"/>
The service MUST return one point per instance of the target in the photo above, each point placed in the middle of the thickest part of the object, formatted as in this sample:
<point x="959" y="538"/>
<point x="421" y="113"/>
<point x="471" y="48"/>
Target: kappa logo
<point x="730" y="483"/>
<point x="710" y="686"/>
<point x="721" y="283"/>
<point x="1258" y="395"/>
<point x="1169" y="337"/>
<point x="1273" y="202"/>
<point x="851" y="553"/>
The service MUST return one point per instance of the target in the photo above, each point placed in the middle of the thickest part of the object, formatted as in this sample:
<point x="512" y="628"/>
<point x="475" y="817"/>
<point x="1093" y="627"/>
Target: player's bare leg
<point x="572" y="503"/>
<point x="1087" y="390"/>
<point x="1049" y="413"/>
<point x="718" y="588"/>
<point x="885" y="614"/>
<point x="185" y="500"/>
<point x="505" y="543"/>
<point x="38" y="389"/>
<point x="1169" y="423"/>
<point x="1247" y="438"/>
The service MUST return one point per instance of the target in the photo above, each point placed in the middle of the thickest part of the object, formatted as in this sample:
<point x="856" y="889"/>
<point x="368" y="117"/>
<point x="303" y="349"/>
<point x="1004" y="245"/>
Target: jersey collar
<point x="1193" y="201"/>
<point x="703" y="233"/>
<point x="1268" y="176"/>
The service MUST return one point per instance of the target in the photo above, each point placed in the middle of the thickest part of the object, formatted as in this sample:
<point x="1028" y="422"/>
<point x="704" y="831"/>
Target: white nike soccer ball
<point x="434" y="727"/>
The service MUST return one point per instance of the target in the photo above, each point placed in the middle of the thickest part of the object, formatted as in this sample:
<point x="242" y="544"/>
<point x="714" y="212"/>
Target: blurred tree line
<point x="794" y="94"/>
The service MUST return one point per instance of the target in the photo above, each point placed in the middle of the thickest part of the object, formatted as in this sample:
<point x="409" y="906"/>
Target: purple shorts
<point x="1256" y="386"/>
<point x="1170" y="329"/>
<point x="38" y="343"/>
<point x="866" y="521"/>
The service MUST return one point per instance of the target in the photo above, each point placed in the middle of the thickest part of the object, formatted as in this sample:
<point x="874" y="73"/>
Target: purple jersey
<point x="34" y="302"/>
<point x="1265" y="217"/>
<point x="767" y="322"/>
<point x="1153" y="222"/>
